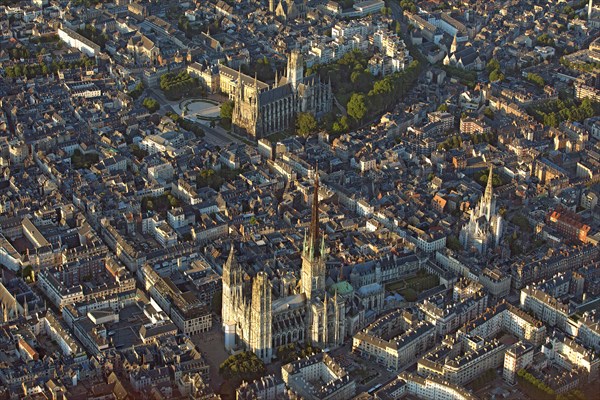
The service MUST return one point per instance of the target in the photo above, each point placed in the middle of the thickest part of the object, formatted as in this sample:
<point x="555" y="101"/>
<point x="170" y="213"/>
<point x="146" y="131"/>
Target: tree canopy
<point x="536" y="79"/>
<point x="178" y="86"/>
<point x="244" y="366"/>
<point x="350" y="75"/>
<point x="357" y="107"/>
<point x="137" y="91"/>
<point x="553" y="112"/>
<point x="305" y="124"/>
<point x="151" y="104"/>
<point x="226" y="111"/>
<point x="545" y="40"/>
<point x="292" y="351"/>
<point x="484" y="175"/>
<point x="496" y="75"/>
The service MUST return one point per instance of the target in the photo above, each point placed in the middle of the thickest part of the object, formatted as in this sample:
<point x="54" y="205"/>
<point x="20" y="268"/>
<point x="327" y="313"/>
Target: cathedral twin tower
<point x="253" y="320"/>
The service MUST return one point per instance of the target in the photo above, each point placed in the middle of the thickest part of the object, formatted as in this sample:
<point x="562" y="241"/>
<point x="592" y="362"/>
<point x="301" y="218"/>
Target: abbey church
<point x="261" y="109"/>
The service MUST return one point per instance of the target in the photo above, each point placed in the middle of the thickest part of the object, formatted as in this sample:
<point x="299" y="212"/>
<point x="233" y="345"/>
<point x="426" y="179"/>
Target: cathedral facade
<point x="260" y="110"/>
<point x="312" y="314"/>
<point x="484" y="228"/>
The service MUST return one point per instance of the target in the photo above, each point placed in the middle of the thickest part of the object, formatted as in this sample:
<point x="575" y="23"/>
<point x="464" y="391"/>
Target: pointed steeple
<point x="276" y="78"/>
<point x="454" y="45"/>
<point x="231" y="262"/>
<point x="314" y="220"/>
<point x="489" y="190"/>
<point x="230" y="267"/>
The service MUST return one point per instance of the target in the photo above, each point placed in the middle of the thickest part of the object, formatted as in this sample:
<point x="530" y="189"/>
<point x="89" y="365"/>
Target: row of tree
<point x="542" y="390"/>
<point x="553" y="112"/>
<point x="177" y="86"/>
<point x="580" y="66"/>
<point x="34" y="70"/>
<point x="364" y="94"/>
<point x="408" y="5"/>
<point x="572" y="395"/>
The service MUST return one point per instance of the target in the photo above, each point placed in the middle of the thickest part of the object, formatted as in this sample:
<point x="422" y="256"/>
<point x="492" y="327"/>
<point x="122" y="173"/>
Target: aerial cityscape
<point x="300" y="199"/>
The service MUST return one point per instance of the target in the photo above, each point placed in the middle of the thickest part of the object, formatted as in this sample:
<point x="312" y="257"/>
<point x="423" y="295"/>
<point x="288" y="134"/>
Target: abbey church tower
<point x="295" y="71"/>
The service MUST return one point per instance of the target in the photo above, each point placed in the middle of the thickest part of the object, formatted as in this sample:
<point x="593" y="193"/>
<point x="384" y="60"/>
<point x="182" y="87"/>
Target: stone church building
<point x="309" y="312"/>
<point x="260" y="110"/>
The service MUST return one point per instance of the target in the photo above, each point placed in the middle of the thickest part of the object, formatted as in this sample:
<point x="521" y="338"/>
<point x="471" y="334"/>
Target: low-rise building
<point x="318" y="377"/>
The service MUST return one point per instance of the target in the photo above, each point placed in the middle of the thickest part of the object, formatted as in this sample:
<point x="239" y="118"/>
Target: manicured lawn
<point x="410" y="288"/>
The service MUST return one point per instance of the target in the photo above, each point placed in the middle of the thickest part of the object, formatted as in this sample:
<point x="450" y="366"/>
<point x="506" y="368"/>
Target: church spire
<point x="231" y="266"/>
<point x="454" y="45"/>
<point x="232" y="262"/>
<point x="314" y="220"/>
<point x="489" y="191"/>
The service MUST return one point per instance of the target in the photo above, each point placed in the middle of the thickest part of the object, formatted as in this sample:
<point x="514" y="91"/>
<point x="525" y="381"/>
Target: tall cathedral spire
<point x="313" y="254"/>
<point x="489" y="190"/>
<point x="314" y="218"/>
<point x="231" y="266"/>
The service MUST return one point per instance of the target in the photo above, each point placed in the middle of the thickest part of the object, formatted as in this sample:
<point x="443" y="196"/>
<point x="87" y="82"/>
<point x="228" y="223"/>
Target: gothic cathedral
<point x="484" y="229"/>
<point x="253" y="320"/>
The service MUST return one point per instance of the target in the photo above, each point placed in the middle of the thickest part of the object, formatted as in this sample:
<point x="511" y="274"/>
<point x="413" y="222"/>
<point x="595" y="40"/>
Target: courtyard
<point x="204" y="111"/>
